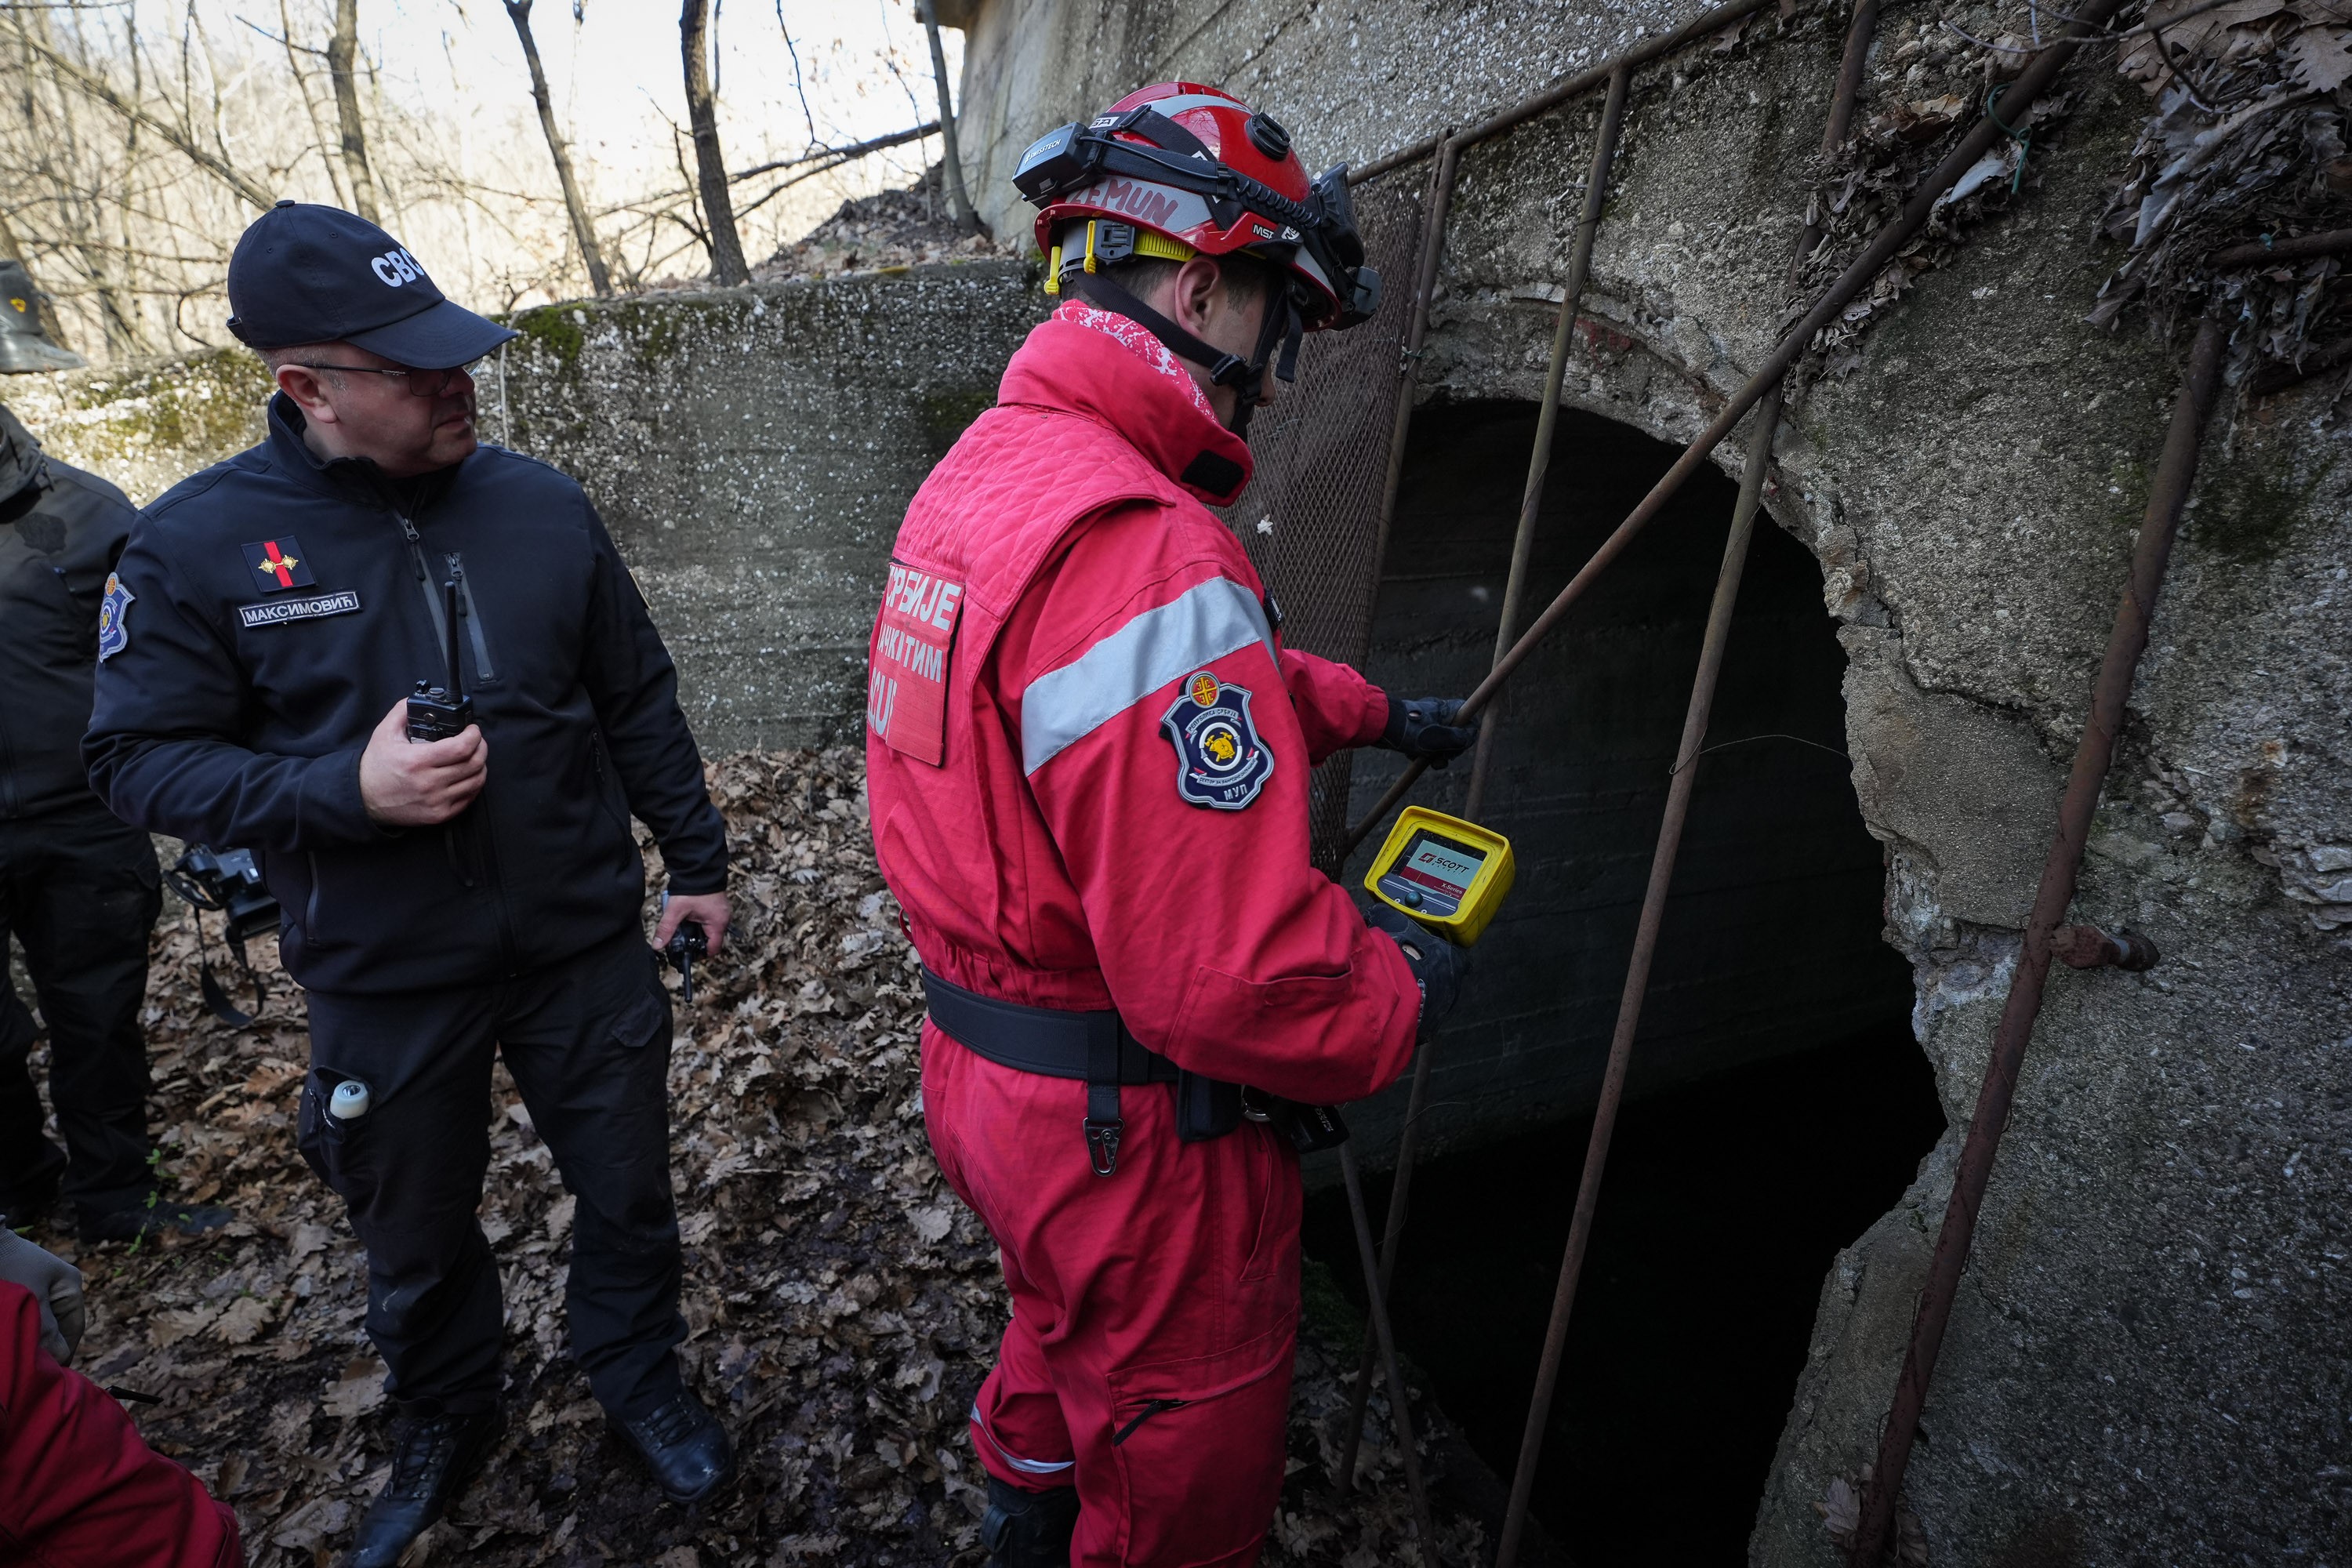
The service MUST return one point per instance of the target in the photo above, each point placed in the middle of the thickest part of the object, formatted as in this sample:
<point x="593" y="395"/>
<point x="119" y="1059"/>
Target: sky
<point x="617" y="83"/>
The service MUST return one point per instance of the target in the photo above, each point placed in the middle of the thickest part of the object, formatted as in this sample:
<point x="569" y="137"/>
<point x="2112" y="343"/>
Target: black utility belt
<point x="1097" y="1048"/>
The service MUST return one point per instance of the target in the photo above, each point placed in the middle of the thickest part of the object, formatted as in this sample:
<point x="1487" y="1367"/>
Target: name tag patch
<point x="277" y="612"/>
<point x="906" y="686"/>
<point x="1221" y="761"/>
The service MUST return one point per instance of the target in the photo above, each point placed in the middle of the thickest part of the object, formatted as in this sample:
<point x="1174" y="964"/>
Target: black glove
<point x="1424" y="727"/>
<point x="1436" y="963"/>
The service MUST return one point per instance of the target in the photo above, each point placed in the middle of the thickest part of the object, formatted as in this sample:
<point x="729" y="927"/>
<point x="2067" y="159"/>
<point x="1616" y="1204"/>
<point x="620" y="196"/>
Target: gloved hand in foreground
<point x="1425" y="727"/>
<point x="1436" y="963"/>
<point x="55" y="1284"/>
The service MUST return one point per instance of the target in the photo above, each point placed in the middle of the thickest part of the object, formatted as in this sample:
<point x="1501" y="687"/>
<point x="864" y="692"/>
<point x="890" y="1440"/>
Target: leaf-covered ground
<point x="844" y="1305"/>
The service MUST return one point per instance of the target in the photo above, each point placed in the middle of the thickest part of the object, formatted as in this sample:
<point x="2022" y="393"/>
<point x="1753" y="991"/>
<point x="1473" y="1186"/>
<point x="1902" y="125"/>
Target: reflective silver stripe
<point x="1157" y="649"/>
<point x="1026" y="1467"/>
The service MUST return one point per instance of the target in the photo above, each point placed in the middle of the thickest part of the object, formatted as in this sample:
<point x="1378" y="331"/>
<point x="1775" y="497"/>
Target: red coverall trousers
<point x="1177" y="1454"/>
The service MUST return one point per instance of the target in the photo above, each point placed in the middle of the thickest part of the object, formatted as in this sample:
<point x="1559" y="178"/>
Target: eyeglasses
<point x="421" y="382"/>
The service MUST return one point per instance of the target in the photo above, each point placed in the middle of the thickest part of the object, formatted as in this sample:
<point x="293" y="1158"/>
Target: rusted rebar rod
<point x="1579" y="266"/>
<point x="1398" y="1400"/>
<point x="2302" y="247"/>
<point x="1579" y="269"/>
<point x="2167" y="496"/>
<point x="1567" y="88"/>
<point x="1637" y="971"/>
<point x="1437" y="200"/>
<point x="1858" y="34"/>
<point x="2035" y="79"/>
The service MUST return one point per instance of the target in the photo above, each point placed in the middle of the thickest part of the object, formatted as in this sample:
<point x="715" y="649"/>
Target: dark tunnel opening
<point x="1780" y="1104"/>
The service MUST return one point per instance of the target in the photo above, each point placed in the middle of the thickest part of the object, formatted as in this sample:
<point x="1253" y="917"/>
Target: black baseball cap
<point x="308" y="274"/>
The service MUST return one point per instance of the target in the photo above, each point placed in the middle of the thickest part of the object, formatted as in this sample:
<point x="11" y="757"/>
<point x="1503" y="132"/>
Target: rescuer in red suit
<point x="78" y="1488"/>
<point x="1088" y="760"/>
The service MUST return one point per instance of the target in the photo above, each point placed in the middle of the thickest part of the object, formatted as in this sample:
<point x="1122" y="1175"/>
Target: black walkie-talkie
<point x="440" y="713"/>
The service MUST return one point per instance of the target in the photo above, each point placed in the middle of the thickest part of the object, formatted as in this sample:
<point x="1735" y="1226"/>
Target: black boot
<point x="1028" y="1529"/>
<point x="150" y="1218"/>
<point x="685" y="1447"/>
<point x="432" y="1457"/>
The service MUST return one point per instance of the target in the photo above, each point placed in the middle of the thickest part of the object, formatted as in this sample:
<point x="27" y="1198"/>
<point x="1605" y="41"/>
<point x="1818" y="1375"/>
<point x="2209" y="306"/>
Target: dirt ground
<point x="843" y="1304"/>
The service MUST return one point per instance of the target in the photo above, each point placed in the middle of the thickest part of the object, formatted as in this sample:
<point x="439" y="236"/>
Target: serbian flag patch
<point x="906" y="685"/>
<point x="278" y="564"/>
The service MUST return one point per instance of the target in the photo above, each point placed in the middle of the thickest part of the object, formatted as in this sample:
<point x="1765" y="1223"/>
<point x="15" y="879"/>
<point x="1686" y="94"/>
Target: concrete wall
<point x="753" y="451"/>
<point x="2148" y="1361"/>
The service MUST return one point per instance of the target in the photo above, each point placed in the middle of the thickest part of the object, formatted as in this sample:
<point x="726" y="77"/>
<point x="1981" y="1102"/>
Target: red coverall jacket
<point x="1087" y="766"/>
<point x="78" y="1488"/>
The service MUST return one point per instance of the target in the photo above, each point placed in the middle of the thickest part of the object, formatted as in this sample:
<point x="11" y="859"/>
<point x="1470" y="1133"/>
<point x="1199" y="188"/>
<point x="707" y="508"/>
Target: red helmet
<point x="1179" y="169"/>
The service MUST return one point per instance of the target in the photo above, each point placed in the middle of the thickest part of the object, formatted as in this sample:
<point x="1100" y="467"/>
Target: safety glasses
<point x="421" y="382"/>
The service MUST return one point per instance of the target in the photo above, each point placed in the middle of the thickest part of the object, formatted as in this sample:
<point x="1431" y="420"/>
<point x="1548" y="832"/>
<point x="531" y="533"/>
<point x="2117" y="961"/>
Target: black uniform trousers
<point x="587" y="1041"/>
<point x="80" y="891"/>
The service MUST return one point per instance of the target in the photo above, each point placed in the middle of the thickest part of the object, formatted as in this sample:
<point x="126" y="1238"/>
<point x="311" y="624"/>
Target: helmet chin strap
<point x="1281" y="329"/>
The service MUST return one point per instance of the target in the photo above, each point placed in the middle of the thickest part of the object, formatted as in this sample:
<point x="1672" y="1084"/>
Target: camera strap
<point x="215" y="997"/>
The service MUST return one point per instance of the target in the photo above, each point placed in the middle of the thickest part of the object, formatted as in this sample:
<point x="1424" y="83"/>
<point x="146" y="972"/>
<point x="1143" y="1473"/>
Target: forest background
<point x="144" y="135"/>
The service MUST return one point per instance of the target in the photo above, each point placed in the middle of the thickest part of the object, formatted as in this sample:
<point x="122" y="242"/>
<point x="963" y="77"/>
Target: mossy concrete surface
<point x="147" y="427"/>
<point x="753" y="451"/>
<point x="2148" y="1361"/>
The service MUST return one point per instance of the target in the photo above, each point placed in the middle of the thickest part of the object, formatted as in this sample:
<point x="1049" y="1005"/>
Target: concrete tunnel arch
<point x="1776" y="996"/>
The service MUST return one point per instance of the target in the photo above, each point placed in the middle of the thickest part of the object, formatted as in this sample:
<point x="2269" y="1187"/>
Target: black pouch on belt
<point x="1206" y="1108"/>
<point x="1308" y="1127"/>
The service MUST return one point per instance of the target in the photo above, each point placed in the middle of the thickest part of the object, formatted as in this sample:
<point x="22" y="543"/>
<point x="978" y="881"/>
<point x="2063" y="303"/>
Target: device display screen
<point x="1440" y="865"/>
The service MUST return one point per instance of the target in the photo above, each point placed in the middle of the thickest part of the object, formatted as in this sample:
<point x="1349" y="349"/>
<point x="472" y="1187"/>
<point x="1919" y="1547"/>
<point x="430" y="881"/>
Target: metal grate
<point x="1310" y="518"/>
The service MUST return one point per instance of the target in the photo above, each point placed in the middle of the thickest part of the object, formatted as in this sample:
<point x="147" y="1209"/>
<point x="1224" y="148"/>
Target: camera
<point x="227" y="881"/>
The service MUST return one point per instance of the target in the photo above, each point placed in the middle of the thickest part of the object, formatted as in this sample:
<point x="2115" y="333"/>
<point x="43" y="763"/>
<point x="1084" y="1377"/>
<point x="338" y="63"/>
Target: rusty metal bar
<point x="1560" y="91"/>
<point x="1398" y="1401"/>
<point x="1437" y="201"/>
<point x="1858" y="34"/>
<point x="1580" y="266"/>
<point x="2040" y="72"/>
<point x="2165" y="500"/>
<point x="1637" y="971"/>
<point x="1579" y="269"/>
<point x="2302" y="247"/>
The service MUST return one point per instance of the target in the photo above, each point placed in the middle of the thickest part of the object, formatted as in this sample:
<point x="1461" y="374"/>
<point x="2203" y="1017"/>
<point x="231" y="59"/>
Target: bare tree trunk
<point x="582" y="229"/>
<point x="958" y="201"/>
<point x="342" y="57"/>
<point x="727" y="266"/>
<point x="67" y="70"/>
<point x="294" y="53"/>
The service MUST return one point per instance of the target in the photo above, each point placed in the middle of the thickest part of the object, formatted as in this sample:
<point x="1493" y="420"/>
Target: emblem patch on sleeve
<point x="113" y="633"/>
<point x="278" y="564"/>
<point x="1220" y="762"/>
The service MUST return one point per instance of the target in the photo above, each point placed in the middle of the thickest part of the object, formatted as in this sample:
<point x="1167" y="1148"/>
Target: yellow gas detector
<point x="1448" y="874"/>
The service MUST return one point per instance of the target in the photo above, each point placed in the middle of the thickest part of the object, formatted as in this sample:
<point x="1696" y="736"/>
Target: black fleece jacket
<point x="237" y="709"/>
<point x="60" y="533"/>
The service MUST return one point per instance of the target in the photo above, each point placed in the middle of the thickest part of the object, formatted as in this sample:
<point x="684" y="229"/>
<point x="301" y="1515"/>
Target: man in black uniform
<point x="443" y="899"/>
<point x="78" y="888"/>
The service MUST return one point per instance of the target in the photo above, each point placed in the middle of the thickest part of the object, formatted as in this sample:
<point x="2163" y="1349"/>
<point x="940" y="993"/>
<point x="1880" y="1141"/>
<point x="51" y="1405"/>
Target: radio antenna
<point x="455" y="606"/>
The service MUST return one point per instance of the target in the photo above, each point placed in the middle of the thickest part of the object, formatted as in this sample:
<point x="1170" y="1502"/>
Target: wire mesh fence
<point x="1310" y="518"/>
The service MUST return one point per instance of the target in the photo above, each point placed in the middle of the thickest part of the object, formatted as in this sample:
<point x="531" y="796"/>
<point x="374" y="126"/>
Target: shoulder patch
<point x="113" y="631"/>
<point x="1221" y="761"/>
